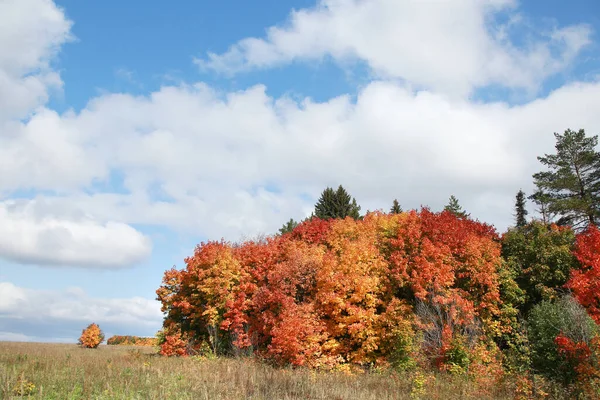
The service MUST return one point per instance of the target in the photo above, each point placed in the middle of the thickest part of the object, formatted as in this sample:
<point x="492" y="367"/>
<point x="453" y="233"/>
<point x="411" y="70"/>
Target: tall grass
<point x="63" y="371"/>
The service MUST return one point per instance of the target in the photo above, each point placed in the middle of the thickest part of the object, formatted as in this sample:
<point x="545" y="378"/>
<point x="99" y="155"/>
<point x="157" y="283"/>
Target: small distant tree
<point x="520" y="210"/>
<point x="455" y="208"/>
<point x="288" y="227"/>
<point x="336" y="204"/>
<point x="91" y="337"/>
<point x="396" y="209"/>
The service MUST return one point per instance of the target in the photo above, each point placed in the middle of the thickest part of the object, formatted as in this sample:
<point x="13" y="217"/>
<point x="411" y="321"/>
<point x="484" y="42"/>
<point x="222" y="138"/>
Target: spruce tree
<point x="520" y="211"/>
<point x="396" y="209"/>
<point x="288" y="227"/>
<point x="571" y="187"/>
<point x="336" y="204"/>
<point x="455" y="208"/>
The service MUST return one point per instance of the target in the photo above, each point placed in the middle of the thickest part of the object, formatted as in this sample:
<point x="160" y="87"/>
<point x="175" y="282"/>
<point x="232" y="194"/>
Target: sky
<point x="131" y="131"/>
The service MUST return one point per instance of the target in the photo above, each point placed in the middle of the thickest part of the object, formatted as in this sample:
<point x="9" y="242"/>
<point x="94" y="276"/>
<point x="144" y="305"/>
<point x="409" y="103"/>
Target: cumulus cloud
<point x="195" y="159"/>
<point x="35" y="232"/>
<point x="31" y="33"/>
<point x="45" y="315"/>
<point x="451" y="46"/>
<point x="225" y="164"/>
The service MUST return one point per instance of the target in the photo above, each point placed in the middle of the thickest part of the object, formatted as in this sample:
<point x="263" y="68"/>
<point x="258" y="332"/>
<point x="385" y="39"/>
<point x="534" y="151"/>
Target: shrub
<point x="560" y="334"/>
<point x="117" y="340"/>
<point x="91" y="337"/>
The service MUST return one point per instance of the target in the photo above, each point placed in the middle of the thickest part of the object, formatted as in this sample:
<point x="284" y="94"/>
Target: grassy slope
<point x="63" y="371"/>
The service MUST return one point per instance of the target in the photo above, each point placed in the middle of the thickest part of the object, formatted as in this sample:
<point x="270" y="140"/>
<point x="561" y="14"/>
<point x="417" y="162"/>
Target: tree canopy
<point x="570" y="187"/>
<point x="520" y="210"/>
<point x="395" y="209"/>
<point x="336" y="204"/>
<point x="455" y="208"/>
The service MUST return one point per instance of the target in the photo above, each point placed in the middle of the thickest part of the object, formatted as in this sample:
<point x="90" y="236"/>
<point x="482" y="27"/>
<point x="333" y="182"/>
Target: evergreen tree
<point x="571" y="188"/>
<point x="455" y="208"/>
<point x="288" y="227"/>
<point x="520" y="211"/>
<point x="396" y="209"/>
<point x="336" y="204"/>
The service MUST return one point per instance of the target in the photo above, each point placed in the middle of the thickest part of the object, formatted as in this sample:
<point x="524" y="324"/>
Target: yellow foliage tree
<point x="91" y="337"/>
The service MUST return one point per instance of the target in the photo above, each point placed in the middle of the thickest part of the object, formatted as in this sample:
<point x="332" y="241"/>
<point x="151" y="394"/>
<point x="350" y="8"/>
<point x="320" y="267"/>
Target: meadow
<point x="66" y="371"/>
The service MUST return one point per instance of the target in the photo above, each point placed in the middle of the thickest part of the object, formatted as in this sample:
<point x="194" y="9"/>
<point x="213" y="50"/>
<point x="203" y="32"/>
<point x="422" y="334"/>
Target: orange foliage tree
<point x="344" y="292"/>
<point x="91" y="337"/>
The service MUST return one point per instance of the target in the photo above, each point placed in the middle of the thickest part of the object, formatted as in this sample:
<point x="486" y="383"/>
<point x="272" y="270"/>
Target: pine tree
<point x="571" y="188"/>
<point x="455" y="208"/>
<point x="396" y="209"/>
<point x="520" y="211"/>
<point x="336" y="204"/>
<point x="288" y="227"/>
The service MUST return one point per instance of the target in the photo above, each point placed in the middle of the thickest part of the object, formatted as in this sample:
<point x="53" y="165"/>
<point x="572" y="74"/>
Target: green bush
<point x="545" y="322"/>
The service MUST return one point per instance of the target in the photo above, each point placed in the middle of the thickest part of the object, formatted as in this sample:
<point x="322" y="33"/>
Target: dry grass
<point x="62" y="371"/>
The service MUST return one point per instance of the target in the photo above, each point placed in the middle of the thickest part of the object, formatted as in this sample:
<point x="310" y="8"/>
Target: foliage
<point x="343" y="292"/>
<point x="585" y="281"/>
<point x="520" y="210"/>
<point x="543" y="200"/>
<point x="571" y="187"/>
<point x="455" y="208"/>
<point x="395" y="209"/>
<point x="558" y="332"/>
<point x="335" y="204"/>
<point x="288" y="227"/>
<point x="91" y="337"/>
<point x="541" y="259"/>
<point x="131" y="341"/>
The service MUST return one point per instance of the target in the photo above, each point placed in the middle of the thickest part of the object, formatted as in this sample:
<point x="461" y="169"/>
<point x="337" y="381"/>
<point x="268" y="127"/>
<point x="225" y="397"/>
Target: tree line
<point x="412" y="290"/>
<point x="567" y="193"/>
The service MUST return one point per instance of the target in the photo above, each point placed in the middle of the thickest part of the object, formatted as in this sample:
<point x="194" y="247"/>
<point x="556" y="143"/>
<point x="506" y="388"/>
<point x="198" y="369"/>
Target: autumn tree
<point x="91" y="337"/>
<point x="396" y="209"/>
<point x="455" y="208"/>
<point x="336" y="204"/>
<point x="571" y="186"/>
<point x="520" y="210"/>
<point x="288" y="227"/>
<point x="585" y="280"/>
<point x="343" y="291"/>
<point x="541" y="259"/>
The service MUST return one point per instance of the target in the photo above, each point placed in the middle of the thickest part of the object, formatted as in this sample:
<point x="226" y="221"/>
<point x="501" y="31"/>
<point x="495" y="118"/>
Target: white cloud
<point x="31" y="33"/>
<point x="33" y="231"/>
<point x="48" y="155"/>
<point x="451" y="46"/>
<point x="219" y="164"/>
<point x="242" y="163"/>
<point x="43" y="315"/>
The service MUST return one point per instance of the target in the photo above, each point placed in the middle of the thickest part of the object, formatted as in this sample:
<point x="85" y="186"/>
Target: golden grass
<point x="64" y="371"/>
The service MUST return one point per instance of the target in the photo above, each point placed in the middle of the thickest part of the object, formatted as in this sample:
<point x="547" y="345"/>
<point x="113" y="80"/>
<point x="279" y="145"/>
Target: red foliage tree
<point x="585" y="281"/>
<point x="337" y="291"/>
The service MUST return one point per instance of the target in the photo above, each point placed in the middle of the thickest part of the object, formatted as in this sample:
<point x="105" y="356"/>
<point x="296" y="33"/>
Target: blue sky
<point x="132" y="131"/>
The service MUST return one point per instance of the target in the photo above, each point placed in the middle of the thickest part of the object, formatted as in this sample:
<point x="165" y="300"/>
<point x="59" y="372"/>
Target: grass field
<point x="64" y="371"/>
